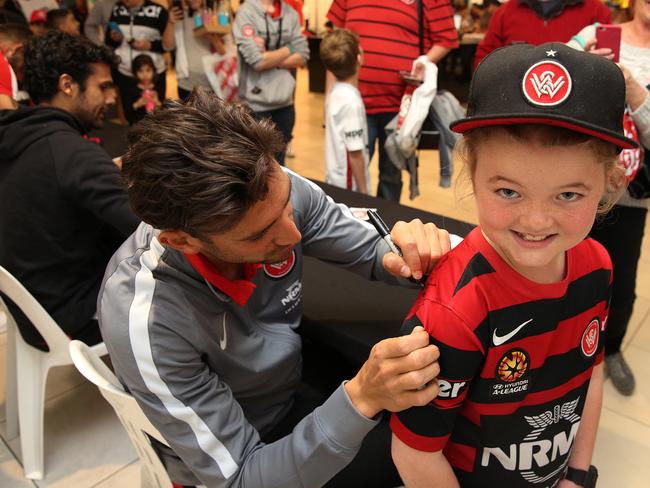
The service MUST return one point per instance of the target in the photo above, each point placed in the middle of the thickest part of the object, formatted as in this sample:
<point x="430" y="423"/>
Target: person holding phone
<point x="191" y="49"/>
<point x="539" y="21"/>
<point x="140" y="27"/>
<point x="629" y="214"/>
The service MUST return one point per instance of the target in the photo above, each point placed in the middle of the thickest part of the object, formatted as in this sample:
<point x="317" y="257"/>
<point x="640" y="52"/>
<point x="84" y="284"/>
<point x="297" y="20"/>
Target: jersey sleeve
<point x="89" y="177"/>
<point x="439" y="15"/>
<point x="606" y="263"/>
<point x="349" y="121"/>
<point x="244" y="33"/>
<point x="428" y="428"/>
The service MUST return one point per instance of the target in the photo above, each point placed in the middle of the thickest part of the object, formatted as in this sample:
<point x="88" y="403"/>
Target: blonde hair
<point x="467" y="149"/>
<point x="339" y="51"/>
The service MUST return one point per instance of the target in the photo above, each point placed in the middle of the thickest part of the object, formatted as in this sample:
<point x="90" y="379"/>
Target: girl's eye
<point x="569" y="196"/>
<point x="507" y="193"/>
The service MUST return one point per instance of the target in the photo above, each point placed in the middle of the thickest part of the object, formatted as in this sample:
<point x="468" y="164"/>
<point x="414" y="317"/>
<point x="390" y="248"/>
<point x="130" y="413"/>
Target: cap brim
<point x="464" y="125"/>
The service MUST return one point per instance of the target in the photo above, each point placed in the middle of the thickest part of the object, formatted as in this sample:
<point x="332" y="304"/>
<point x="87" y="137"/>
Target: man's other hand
<point x="422" y="246"/>
<point x="399" y="373"/>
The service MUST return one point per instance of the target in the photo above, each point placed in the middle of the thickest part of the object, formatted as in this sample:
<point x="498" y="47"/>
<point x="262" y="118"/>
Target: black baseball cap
<point x="550" y="84"/>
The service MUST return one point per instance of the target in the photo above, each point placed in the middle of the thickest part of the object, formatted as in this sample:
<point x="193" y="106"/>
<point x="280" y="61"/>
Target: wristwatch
<point x="581" y="477"/>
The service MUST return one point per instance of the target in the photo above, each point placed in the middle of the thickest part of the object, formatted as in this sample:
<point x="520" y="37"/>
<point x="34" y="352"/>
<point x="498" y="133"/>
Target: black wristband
<point x="581" y="477"/>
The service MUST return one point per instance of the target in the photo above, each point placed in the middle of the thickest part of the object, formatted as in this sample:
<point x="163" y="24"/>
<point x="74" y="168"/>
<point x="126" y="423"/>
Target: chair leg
<point x="31" y="397"/>
<point x="11" y="390"/>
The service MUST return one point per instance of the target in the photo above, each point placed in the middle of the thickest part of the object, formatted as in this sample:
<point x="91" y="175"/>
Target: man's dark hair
<point x="199" y="166"/>
<point x="57" y="53"/>
<point x="15" y="32"/>
<point x="56" y="17"/>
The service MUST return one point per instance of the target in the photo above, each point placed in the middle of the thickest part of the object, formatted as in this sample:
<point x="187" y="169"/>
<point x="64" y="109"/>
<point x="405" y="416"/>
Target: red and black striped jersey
<point x="516" y="358"/>
<point x="388" y="33"/>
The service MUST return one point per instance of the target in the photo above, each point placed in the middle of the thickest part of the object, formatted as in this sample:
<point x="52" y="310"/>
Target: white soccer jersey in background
<point x="346" y="130"/>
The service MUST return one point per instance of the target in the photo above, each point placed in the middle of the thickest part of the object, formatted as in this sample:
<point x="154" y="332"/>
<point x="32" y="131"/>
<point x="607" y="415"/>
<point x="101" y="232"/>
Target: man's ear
<point x="11" y="51"/>
<point x="66" y="84"/>
<point x="180" y="240"/>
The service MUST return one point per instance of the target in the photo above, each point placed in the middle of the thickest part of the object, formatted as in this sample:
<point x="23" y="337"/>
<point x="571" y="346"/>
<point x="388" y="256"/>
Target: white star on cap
<point x="551" y="53"/>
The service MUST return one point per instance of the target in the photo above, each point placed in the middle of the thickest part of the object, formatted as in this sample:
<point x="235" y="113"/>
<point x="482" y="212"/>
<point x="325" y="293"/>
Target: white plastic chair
<point x="152" y="471"/>
<point x="27" y="369"/>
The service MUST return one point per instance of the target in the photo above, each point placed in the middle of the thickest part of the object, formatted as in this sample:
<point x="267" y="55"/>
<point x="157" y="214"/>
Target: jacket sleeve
<point x="641" y="117"/>
<point x="427" y="428"/>
<point x="493" y="37"/>
<point x="92" y="25"/>
<point x="197" y="414"/>
<point x="298" y="40"/>
<point x="107" y="32"/>
<point x="332" y="234"/>
<point x="250" y="52"/>
<point x="89" y="178"/>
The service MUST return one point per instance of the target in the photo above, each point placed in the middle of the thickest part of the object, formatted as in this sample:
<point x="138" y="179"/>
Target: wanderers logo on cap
<point x="547" y="83"/>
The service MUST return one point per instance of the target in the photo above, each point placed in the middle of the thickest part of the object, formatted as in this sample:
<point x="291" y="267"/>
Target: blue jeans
<point x="284" y="119"/>
<point x="390" y="177"/>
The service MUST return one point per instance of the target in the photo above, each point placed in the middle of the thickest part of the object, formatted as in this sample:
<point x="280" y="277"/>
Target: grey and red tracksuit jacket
<point x="211" y="375"/>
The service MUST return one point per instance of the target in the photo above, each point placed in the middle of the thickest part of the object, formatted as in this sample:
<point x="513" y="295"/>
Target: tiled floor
<point x="85" y="445"/>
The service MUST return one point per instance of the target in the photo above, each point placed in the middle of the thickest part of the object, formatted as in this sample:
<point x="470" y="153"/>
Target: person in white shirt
<point x="346" y="130"/>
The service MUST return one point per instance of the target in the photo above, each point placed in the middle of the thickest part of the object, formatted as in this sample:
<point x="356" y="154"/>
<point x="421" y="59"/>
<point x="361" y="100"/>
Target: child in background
<point x="346" y="130"/>
<point x="519" y="308"/>
<point x="37" y="21"/>
<point x="142" y="98"/>
<point x="63" y="20"/>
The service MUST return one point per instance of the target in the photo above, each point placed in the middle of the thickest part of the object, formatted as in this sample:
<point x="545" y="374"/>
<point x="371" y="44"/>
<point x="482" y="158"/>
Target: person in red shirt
<point x="388" y="34"/>
<point x="539" y="21"/>
<point x="12" y="39"/>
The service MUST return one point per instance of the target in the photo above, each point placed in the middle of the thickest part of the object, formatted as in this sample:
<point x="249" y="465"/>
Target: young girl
<point x="519" y="308"/>
<point x="142" y="98"/>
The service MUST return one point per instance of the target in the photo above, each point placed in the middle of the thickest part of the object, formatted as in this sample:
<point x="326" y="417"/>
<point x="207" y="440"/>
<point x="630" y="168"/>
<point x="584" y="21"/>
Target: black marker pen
<point x="381" y="227"/>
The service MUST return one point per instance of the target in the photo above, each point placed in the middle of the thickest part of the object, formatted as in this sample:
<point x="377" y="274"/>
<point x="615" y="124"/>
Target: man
<point x="200" y="305"/>
<point x="539" y="21"/>
<point x="389" y="35"/>
<point x="270" y="44"/>
<point x="12" y="39"/>
<point x="38" y="21"/>
<point x="63" y="210"/>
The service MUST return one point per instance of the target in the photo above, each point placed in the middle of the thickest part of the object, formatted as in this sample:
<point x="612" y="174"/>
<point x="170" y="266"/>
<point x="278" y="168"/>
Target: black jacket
<point x="63" y="213"/>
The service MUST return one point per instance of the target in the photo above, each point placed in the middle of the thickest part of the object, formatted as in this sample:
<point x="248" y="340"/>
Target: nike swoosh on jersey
<point x="498" y="340"/>
<point x="223" y="341"/>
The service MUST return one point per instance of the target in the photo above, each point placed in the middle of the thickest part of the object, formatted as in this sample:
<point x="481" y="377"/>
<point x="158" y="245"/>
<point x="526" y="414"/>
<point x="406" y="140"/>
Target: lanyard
<point x="268" y="33"/>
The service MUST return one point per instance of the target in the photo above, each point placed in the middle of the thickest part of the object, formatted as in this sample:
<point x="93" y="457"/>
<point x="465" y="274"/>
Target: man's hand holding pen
<point x="420" y="245"/>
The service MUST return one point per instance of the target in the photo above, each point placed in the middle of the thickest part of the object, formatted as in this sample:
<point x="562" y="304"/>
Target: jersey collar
<point x="239" y="291"/>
